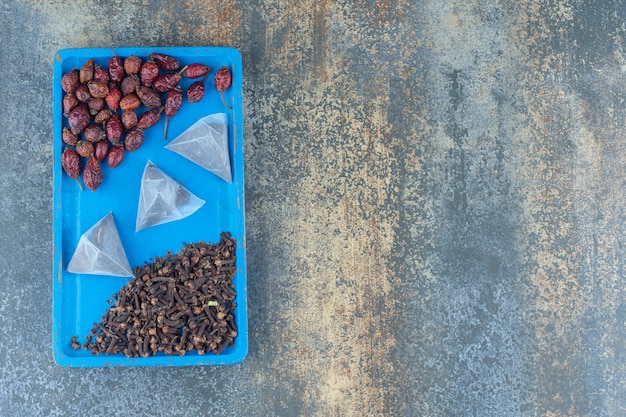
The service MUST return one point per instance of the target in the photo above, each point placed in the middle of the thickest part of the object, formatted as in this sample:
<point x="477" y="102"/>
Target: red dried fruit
<point x="94" y="133"/>
<point x="116" y="69"/>
<point x="150" y="98"/>
<point x="130" y="102"/>
<point x="79" y="118"/>
<point x="132" y="64"/>
<point x="92" y="175"/>
<point x="173" y="101"/>
<point x="103" y="116"/>
<point x="148" y="119"/>
<point x="197" y="71"/>
<point x="95" y="105"/>
<point x="86" y="71"/>
<point x="70" y="80"/>
<point x="98" y="89"/>
<point x="84" y="148"/>
<point x="113" y="98"/>
<point x="69" y="137"/>
<point x="115" y="156"/>
<point x="101" y="151"/>
<point x="129" y="119"/>
<point x="82" y="93"/>
<point x="100" y="74"/>
<point x="129" y="84"/>
<point x="70" y="161"/>
<point x="222" y="81"/>
<point x="134" y="139"/>
<point x="148" y="73"/>
<point x="166" y="82"/>
<point x="69" y="102"/>
<point x="165" y="62"/>
<point x="114" y="129"/>
<point x="195" y="92"/>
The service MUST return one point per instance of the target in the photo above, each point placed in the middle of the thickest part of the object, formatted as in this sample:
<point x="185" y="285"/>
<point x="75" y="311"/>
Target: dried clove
<point x="174" y="305"/>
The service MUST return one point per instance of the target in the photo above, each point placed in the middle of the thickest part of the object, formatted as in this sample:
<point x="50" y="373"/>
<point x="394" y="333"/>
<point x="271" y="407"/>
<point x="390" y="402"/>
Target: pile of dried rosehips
<point x="102" y="105"/>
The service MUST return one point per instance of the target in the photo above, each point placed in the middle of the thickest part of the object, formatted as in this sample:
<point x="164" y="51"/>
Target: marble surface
<point x="434" y="208"/>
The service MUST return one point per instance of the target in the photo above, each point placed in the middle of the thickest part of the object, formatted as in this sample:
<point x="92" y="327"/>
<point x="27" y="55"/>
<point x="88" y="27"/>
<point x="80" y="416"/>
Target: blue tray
<point x="80" y="300"/>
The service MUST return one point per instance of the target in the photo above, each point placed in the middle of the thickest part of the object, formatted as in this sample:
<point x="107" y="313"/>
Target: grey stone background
<point x="435" y="208"/>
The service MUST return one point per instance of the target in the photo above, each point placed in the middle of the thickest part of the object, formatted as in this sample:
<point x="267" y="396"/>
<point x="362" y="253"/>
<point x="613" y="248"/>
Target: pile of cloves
<point x="177" y="304"/>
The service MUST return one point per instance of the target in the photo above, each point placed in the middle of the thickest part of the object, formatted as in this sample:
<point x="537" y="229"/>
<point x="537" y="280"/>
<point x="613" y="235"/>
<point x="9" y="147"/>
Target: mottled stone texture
<point x="435" y="208"/>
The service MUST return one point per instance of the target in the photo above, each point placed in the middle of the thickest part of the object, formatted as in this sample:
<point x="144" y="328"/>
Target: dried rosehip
<point x="113" y="98"/>
<point x="166" y="82"/>
<point x="69" y="102"/>
<point x="70" y="161"/>
<point x="100" y="74"/>
<point x="115" y="156"/>
<point x="132" y="64"/>
<point x="98" y="89"/>
<point x="114" y="129"/>
<point x="86" y="71"/>
<point x="129" y="84"/>
<point x="148" y="119"/>
<point x="84" y="148"/>
<point x="94" y="133"/>
<point x="103" y="116"/>
<point x="82" y="93"/>
<point x="150" y="98"/>
<point x="69" y="137"/>
<point x="129" y="119"/>
<point x="173" y="101"/>
<point x="79" y="118"/>
<point x="70" y="80"/>
<point x="95" y="105"/>
<point x="148" y="73"/>
<point x="195" y="92"/>
<point x="92" y="175"/>
<point x="134" y="139"/>
<point x="165" y="62"/>
<point x="130" y="102"/>
<point x="101" y="151"/>
<point x="197" y="71"/>
<point x="116" y="69"/>
<point x="222" y="81"/>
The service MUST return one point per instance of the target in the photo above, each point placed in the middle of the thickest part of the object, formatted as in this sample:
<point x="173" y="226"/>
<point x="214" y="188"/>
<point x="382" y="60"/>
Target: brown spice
<point x="164" y="309"/>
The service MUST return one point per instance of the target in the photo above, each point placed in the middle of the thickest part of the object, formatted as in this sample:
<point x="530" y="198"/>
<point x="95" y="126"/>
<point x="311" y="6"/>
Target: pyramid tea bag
<point x="100" y="251"/>
<point x="206" y="144"/>
<point x="162" y="199"/>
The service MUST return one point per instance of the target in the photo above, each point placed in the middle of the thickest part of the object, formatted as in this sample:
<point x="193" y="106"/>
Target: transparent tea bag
<point x="162" y="199"/>
<point x="206" y="144"/>
<point x="100" y="251"/>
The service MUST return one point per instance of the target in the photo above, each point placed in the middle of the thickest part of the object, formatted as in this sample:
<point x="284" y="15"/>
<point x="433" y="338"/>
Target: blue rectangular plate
<point x="80" y="300"/>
